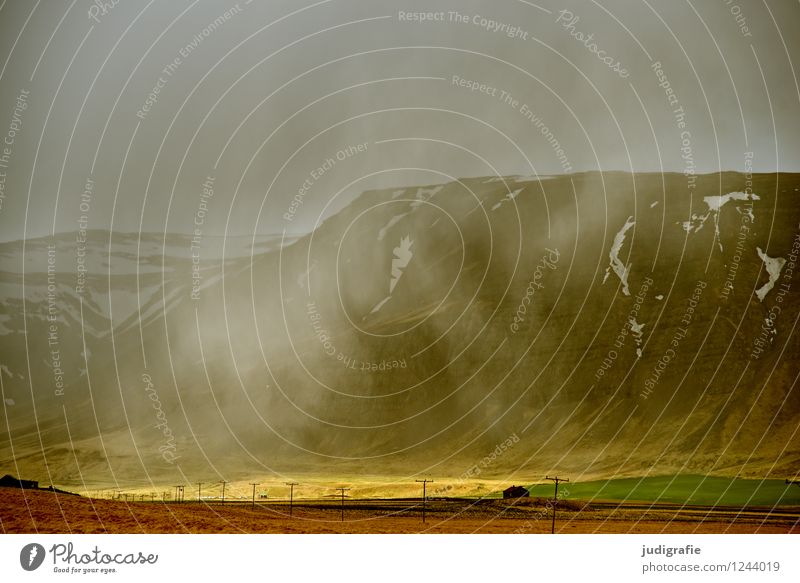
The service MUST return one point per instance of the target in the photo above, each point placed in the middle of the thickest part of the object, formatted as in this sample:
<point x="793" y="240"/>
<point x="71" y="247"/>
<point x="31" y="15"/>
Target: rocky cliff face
<point x="601" y="324"/>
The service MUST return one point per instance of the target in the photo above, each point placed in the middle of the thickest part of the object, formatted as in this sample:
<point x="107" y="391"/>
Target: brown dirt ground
<point x="28" y="511"/>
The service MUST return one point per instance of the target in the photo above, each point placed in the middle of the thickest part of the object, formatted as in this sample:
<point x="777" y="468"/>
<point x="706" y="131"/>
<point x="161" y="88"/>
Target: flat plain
<point x="30" y="511"/>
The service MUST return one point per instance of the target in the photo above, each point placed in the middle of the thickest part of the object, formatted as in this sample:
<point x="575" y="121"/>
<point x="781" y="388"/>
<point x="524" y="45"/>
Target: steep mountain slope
<point x="600" y="324"/>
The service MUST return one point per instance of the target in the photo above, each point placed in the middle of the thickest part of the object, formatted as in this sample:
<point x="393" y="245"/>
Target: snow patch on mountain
<point x="715" y="204"/>
<point x="690" y="226"/>
<point x="379" y="305"/>
<point x="157" y="306"/>
<point x="121" y="304"/>
<point x="422" y="195"/>
<point x="392" y="222"/>
<point x="402" y="257"/>
<point x="616" y="265"/>
<point x="637" y="331"/>
<point x="773" y="265"/>
<point x="770" y="325"/>
<point x="508" y="197"/>
<point x="428" y="193"/>
<point x="748" y="212"/>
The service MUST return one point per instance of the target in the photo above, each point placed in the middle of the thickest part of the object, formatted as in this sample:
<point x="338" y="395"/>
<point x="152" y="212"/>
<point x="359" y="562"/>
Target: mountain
<point x="598" y="324"/>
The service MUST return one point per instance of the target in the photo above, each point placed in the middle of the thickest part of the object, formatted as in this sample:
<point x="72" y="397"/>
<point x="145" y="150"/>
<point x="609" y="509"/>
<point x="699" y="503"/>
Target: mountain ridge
<point x="252" y="379"/>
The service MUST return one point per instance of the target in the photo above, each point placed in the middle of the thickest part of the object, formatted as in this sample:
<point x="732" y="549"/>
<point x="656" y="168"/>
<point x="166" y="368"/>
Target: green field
<point x="682" y="489"/>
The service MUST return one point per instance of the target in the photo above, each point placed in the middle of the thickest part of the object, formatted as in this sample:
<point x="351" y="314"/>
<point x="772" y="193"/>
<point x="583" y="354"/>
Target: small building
<point x="52" y="488"/>
<point x="516" y="492"/>
<point x="9" y="481"/>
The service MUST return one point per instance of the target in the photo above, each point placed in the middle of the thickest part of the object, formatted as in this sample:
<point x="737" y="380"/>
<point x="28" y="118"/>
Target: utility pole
<point x="223" y="482"/>
<point x="254" y="494"/>
<point x="291" y="495"/>
<point x="343" y="490"/>
<point x="424" y="496"/>
<point x="555" y="500"/>
<point x="199" y="486"/>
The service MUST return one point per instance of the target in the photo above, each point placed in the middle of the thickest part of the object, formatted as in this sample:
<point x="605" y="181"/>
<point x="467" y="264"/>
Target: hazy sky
<point x="259" y="98"/>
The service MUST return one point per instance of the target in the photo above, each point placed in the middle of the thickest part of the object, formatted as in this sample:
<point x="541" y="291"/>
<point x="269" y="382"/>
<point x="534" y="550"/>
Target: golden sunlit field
<point x="29" y="511"/>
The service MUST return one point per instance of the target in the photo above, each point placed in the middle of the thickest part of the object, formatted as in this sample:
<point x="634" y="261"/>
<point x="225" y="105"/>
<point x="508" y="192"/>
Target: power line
<point x="424" y="495"/>
<point x="343" y="490"/>
<point x="291" y="495"/>
<point x="254" y="494"/>
<point x="555" y="500"/>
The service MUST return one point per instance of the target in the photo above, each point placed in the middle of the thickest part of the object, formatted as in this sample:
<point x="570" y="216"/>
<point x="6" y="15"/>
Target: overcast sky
<point x="259" y="98"/>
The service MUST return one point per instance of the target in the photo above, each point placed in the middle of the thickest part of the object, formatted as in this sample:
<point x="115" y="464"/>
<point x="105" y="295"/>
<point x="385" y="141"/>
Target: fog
<point x="150" y="99"/>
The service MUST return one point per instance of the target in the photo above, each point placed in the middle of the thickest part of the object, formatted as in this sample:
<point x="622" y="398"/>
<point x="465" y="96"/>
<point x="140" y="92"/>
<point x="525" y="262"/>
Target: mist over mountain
<point x="602" y="324"/>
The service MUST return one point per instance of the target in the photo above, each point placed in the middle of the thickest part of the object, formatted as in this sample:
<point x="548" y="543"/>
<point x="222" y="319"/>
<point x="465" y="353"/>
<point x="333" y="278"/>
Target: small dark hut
<point x="516" y="492"/>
